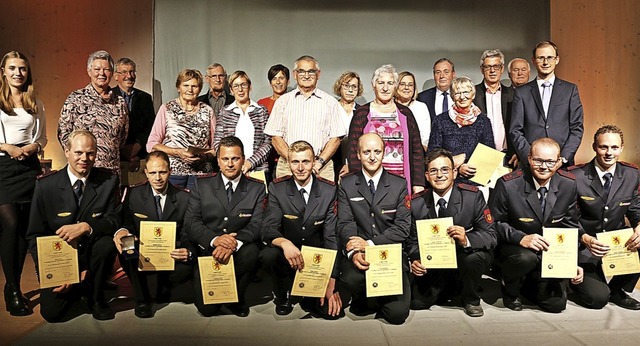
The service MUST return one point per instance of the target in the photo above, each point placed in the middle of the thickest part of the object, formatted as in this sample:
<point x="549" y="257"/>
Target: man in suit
<point x="547" y="107"/>
<point x="218" y="95"/>
<point x="519" y="71"/>
<point x="607" y="192"/>
<point x="472" y="230"/>
<point x="141" y="117"/>
<point x="438" y="98"/>
<point x="373" y="209"/>
<point x="301" y="211"/>
<point x="522" y="203"/>
<point x="155" y="200"/>
<point x="223" y="218"/>
<point x="492" y="97"/>
<point x="81" y="205"/>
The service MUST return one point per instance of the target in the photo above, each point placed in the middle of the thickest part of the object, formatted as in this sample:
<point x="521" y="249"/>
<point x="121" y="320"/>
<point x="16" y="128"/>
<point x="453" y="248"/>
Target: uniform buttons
<point x="302" y="239"/>
<point x="547" y="126"/>
<point x="303" y="228"/>
<point x="374" y="226"/>
<point x="605" y="219"/>
<point x="224" y="230"/>
<point x="226" y="218"/>
<point x="372" y="215"/>
<point x="606" y="207"/>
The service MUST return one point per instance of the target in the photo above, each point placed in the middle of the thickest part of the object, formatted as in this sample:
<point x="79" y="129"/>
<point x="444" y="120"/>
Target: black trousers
<point x="244" y="261"/>
<point x="167" y="280"/>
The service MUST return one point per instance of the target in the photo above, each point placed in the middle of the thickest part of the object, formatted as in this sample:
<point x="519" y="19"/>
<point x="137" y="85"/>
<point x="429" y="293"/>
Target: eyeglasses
<point x="443" y="171"/>
<point x="350" y="86"/>
<point x="240" y="86"/>
<point x="545" y="58"/>
<point x="462" y="93"/>
<point x="492" y="67"/>
<point x="217" y="76"/>
<point x="406" y="85"/>
<point x="548" y="163"/>
<point x="311" y="72"/>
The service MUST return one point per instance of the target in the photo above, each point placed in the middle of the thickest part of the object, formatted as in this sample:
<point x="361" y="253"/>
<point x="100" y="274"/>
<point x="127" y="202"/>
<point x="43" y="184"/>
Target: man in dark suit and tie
<point x="547" y="107"/>
<point x="223" y="218"/>
<point x="155" y="200"/>
<point x="81" y="205"/>
<point x="373" y="209"/>
<point x="472" y="230"/>
<point x="438" y="98"/>
<point x="607" y="192"/>
<point x="301" y="211"/>
<point x="522" y="203"/>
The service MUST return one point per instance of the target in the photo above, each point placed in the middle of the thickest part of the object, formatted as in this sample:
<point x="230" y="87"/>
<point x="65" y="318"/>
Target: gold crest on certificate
<point x="218" y="281"/>
<point x="619" y="260"/>
<point x="313" y="279"/>
<point x="157" y="241"/>
<point x="437" y="248"/>
<point x="384" y="276"/>
<point x="486" y="160"/>
<point x="561" y="260"/>
<point x="57" y="262"/>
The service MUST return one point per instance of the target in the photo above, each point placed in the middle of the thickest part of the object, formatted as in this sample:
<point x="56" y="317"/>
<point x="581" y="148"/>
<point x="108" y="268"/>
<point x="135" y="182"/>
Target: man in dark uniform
<point x="155" y="200"/>
<point x="522" y="203"/>
<point x="80" y="204"/>
<point x="472" y="230"/>
<point x="607" y="192"/>
<point x="301" y="211"/>
<point x="223" y="218"/>
<point x="373" y="209"/>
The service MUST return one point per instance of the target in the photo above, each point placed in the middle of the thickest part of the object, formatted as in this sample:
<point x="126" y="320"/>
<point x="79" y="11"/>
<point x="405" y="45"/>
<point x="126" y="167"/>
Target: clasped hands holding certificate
<point x="537" y="242"/>
<point x="457" y="233"/>
<point x="180" y="254"/>
<point x="71" y="234"/>
<point x="600" y="249"/>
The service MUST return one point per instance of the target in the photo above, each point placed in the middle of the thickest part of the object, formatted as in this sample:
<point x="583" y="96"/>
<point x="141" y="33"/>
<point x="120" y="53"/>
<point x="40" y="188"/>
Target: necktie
<point x="77" y="190"/>
<point x="543" y="197"/>
<point x="302" y="192"/>
<point x="158" y="207"/>
<point x="445" y="102"/>
<point x="229" y="191"/>
<point x="546" y="97"/>
<point x="442" y="208"/>
<point x="607" y="184"/>
<point x="372" y="187"/>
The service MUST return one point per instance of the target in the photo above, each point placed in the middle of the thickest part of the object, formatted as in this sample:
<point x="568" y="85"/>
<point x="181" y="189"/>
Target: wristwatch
<point x="321" y="160"/>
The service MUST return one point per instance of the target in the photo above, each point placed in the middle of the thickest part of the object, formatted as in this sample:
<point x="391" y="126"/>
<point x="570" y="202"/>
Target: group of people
<point x="340" y="176"/>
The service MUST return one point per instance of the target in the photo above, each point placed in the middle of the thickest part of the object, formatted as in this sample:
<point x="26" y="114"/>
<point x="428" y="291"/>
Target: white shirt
<point x="245" y="130"/>
<point x="540" y="81"/>
<point x="307" y="189"/>
<point x="494" y="113"/>
<point x="439" y="99"/>
<point x="23" y="128"/>
<point x="163" y="196"/>
<point x="601" y="172"/>
<point x="423" y="118"/>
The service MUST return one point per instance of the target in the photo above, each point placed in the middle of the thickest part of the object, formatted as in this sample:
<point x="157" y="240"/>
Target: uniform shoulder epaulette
<point x="330" y="182"/>
<point x="281" y="179"/>
<point x="180" y="188"/>
<point x="468" y="187"/>
<point x="208" y="175"/>
<point x="420" y="194"/>
<point x="510" y="176"/>
<point x="254" y="179"/>
<point x="46" y="174"/>
<point x="628" y="164"/>
<point x="567" y="174"/>
<point x="138" y="184"/>
<point x="571" y="168"/>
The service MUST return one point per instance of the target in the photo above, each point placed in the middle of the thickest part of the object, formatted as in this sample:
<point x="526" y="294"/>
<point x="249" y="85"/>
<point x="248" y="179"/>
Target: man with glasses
<point x="306" y="113"/>
<point x="218" y="95"/>
<point x="547" y="107"/>
<point x="492" y="97"/>
<point x="141" y="117"/>
<point x="472" y="230"/>
<point x="522" y="203"/>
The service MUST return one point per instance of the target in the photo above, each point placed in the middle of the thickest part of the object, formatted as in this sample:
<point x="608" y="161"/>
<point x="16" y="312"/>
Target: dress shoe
<point x="239" y="309"/>
<point x="144" y="310"/>
<point x="283" y="306"/>
<point x="473" y="310"/>
<point x="102" y="312"/>
<point x="623" y="300"/>
<point x="16" y="303"/>
<point x="512" y="303"/>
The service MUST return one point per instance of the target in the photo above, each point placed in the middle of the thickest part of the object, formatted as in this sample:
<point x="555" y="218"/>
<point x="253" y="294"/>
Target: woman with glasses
<point x="406" y="94"/>
<point x="245" y="119"/>
<point x="396" y="125"/>
<point x="347" y="87"/>
<point x="462" y="128"/>
<point x="184" y="129"/>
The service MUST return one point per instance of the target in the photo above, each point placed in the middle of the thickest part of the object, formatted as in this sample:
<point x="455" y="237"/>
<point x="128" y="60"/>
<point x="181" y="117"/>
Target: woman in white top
<point x="406" y="95"/>
<point x="22" y="136"/>
<point x="347" y="87"/>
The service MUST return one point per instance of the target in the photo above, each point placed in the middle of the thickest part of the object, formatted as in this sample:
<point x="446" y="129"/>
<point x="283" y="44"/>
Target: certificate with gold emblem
<point x="561" y="260"/>
<point x="312" y="280"/>
<point x="57" y="262"/>
<point x="157" y="240"/>
<point x="218" y="281"/>
<point x="437" y="248"/>
<point x="384" y="276"/>
<point x="619" y="260"/>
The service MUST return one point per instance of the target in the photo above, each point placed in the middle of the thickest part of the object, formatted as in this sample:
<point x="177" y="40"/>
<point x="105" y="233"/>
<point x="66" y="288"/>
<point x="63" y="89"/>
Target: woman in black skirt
<point x="22" y="136"/>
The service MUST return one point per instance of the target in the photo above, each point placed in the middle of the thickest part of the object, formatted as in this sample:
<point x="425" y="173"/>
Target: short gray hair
<point x="387" y="68"/>
<point x="492" y="53"/>
<point x="100" y="55"/>
<point x="517" y="59"/>
<point x="306" y="58"/>
<point x="461" y="81"/>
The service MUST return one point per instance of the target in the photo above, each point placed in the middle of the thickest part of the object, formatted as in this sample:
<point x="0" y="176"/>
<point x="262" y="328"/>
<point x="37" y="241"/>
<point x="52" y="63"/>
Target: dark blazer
<point x="228" y="98"/>
<point x="141" y="118"/>
<point x="54" y="205"/>
<point x="140" y="205"/>
<point x="468" y="209"/>
<point x="209" y="214"/>
<point x="506" y="101"/>
<point x="429" y="98"/>
<point x="516" y="208"/>
<point x="564" y="122"/>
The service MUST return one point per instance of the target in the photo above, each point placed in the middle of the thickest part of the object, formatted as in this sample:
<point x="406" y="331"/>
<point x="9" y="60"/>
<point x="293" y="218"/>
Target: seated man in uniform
<point x="223" y="218"/>
<point x="472" y="230"/>
<point x="300" y="211"/>
<point x="81" y="205"/>
<point x="155" y="200"/>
